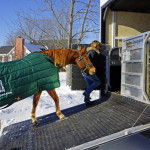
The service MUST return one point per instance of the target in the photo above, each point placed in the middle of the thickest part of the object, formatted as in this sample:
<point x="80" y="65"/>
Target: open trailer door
<point x="135" y="74"/>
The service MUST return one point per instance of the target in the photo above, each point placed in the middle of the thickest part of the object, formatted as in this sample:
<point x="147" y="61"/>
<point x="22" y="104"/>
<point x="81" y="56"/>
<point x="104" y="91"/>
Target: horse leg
<point x="54" y="95"/>
<point x="35" y="103"/>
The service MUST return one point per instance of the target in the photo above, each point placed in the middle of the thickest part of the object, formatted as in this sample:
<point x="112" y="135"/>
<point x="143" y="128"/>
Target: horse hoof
<point x="62" y="117"/>
<point x="35" y="122"/>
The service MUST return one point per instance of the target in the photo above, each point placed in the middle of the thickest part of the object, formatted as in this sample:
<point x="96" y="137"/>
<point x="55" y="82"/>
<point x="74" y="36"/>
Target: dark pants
<point x="92" y="82"/>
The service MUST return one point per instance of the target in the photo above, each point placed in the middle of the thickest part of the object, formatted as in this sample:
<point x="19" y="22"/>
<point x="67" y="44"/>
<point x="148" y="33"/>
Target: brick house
<point x="21" y="49"/>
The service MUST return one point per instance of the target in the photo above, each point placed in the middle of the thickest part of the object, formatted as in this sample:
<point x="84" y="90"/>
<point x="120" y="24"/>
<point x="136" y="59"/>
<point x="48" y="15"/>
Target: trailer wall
<point x="120" y="25"/>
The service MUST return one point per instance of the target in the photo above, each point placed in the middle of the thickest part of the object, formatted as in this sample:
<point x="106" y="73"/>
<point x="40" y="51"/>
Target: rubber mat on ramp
<point x="107" y="117"/>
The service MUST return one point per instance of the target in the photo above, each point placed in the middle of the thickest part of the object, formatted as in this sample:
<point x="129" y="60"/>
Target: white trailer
<point x="122" y="22"/>
<point x="121" y="19"/>
<point x="135" y="74"/>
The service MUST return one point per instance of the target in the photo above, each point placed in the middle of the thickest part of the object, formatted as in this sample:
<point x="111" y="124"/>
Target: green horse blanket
<point x="22" y="78"/>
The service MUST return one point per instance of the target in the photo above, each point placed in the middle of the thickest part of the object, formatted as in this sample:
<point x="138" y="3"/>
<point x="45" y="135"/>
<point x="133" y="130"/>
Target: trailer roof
<point x="129" y="5"/>
<point x="84" y="127"/>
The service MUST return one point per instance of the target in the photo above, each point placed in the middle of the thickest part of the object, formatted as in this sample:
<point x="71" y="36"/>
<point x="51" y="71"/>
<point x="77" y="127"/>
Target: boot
<point x="87" y="95"/>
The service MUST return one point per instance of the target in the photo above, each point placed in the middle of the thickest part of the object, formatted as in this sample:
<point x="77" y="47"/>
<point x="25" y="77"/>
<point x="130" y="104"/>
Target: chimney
<point x="19" y="48"/>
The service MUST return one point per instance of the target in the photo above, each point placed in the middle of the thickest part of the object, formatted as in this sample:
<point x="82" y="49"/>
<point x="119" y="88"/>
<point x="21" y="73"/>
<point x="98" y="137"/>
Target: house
<point x="21" y="49"/>
<point x="6" y="53"/>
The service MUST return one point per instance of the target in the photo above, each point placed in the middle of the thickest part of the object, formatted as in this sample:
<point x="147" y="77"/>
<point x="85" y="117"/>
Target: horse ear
<point x="80" y="48"/>
<point x="83" y="50"/>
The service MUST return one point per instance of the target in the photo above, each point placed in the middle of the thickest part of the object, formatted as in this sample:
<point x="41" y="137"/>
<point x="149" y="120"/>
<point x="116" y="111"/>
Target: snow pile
<point x="21" y="111"/>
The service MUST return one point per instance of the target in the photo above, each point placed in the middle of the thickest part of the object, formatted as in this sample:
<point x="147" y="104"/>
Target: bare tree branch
<point x="63" y="20"/>
<point x="70" y="23"/>
<point x="51" y="7"/>
<point x="83" y="23"/>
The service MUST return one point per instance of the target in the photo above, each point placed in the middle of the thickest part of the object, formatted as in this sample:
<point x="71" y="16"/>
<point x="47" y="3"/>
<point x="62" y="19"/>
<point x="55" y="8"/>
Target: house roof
<point x="30" y="47"/>
<point x="5" y="49"/>
<point x="55" y="44"/>
<point x="33" y="47"/>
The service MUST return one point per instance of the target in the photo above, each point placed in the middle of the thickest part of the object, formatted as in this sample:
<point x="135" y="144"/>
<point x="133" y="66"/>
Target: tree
<point x="31" y="29"/>
<point x="59" y="20"/>
<point x="75" y="14"/>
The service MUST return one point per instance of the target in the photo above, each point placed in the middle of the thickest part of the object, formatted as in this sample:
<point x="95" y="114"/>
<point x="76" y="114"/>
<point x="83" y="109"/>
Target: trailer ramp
<point x="85" y="127"/>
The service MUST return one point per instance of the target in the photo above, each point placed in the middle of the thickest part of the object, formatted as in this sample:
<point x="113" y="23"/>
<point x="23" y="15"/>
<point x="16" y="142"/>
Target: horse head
<point x="84" y="63"/>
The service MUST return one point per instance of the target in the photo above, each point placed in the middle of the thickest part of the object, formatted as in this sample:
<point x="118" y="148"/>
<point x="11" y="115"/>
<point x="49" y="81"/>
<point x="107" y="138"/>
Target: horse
<point x="63" y="57"/>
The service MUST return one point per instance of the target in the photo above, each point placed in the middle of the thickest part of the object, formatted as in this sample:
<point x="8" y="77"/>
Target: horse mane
<point x="61" y="57"/>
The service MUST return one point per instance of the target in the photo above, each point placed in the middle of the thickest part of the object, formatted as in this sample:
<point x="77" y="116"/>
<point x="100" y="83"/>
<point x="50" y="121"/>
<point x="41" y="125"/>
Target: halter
<point x="87" y="66"/>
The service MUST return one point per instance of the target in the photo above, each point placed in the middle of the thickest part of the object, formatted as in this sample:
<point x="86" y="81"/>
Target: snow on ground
<point x="21" y="111"/>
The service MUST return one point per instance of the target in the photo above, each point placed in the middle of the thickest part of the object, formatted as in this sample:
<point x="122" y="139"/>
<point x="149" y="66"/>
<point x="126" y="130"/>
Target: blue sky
<point x="8" y="13"/>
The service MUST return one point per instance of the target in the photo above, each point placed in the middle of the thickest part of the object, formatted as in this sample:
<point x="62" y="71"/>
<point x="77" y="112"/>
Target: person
<point x="93" y="81"/>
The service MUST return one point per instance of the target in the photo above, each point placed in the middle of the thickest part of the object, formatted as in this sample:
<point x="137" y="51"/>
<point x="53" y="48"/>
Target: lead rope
<point x="140" y="115"/>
